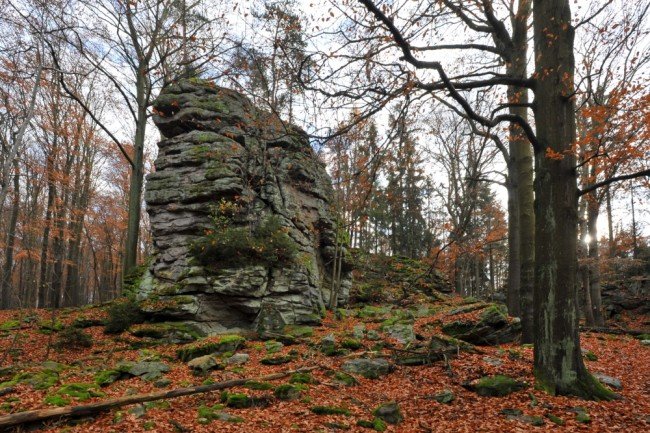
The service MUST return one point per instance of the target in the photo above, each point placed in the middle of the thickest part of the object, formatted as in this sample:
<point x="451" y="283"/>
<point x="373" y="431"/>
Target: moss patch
<point x="330" y="410"/>
<point x="227" y="343"/>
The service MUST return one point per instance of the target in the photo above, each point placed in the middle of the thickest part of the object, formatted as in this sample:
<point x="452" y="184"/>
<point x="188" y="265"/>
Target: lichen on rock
<point x="240" y="210"/>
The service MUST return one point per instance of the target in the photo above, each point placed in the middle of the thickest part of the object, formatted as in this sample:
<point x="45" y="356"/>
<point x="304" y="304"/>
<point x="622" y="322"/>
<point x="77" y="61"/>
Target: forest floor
<point x="38" y="373"/>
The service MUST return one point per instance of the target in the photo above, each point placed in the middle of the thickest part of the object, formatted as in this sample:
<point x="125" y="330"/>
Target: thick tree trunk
<point x="44" y="287"/>
<point x="558" y="364"/>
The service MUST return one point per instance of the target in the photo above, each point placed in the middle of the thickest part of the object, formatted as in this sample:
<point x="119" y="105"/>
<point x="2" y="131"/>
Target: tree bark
<point x="594" y="262"/>
<point x="5" y="284"/>
<point x="558" y="365"/>
<point x="514" y="263"/>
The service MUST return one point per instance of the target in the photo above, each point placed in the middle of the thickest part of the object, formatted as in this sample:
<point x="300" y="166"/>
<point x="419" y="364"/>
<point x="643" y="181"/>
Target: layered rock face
<point x="240" y="216"/>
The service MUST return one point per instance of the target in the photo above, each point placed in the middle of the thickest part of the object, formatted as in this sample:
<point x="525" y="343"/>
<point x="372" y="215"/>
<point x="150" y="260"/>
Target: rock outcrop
<point x="240" y="215"/>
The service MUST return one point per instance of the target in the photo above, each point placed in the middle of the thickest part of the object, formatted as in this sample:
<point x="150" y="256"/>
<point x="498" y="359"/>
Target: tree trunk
<point x="43" y="290"/>
<point x="610" y="224"/>
<point x="514" y="264"/>
<point x="558" y="364"/>
<point x="135" y="190"/>
<point x="521" y="155"/>
<point x="594" y="262"/>
<point x="5" y="284"/>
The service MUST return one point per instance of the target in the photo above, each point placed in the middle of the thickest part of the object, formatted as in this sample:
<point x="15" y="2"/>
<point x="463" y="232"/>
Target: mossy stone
<point x="330" y="410"/>
<point x="496" y="386"/>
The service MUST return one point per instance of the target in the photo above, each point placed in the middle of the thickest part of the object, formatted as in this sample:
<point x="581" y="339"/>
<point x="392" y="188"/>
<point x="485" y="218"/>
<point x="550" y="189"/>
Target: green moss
<point x="302" y="378"/>
<point x="227" y="343"/>
<point x="56" y="400"/>
<point x="298" y="331"/>
<point x="76" y="391"/>
<point x="376" y="424"/>
<point x="277" y="360"/>
<point x="352" y="344"/>
<point x="497" y="386"/>
<point x="260" y="386"/>
<point x="10" y="325"/>
<point x="345" y="379"/>
<point x="238" y="401"/>
<point x="583" y="417"/>
<point x="288" y="391"/>
<point x="106" y="377"/>
<point x="370" y="311"/>
<point x="555" y="419"/>
<point x="330" y="410"/>
<point x="49" y="326"/>
<point x="591" y="356"/>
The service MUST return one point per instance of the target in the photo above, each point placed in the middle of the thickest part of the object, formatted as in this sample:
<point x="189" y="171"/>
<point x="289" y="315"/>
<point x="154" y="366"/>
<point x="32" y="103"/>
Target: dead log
<point x="614" y="331"/>
<point x="40" y="415"/>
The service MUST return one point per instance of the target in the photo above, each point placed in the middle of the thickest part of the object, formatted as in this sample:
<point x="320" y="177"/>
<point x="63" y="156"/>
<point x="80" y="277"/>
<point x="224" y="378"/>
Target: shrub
<point x="121" y="315"/>
<point x="230" y="245"/>
<point x="73" y="338"/>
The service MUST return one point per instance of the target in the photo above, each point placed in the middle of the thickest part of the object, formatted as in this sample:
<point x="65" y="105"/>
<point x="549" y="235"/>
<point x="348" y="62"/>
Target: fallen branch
<point x="615" y="331"/>
<point x="40" y="415"/>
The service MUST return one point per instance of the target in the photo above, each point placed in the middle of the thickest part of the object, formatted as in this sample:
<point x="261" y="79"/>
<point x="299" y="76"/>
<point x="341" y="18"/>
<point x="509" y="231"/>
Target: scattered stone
<point x="389" y="412"/>
<point x="205" y="363"/>
<point x="148" y="370"/>
<point x="273" y="346"/>
<point x="138" y="411"/>
<point x="288" y="391"/>
<point x="496" y="362"/>
<point x="612" y="382"/>
<point x="495" y="386"/>
<point x="277" y="360"/>
<point x="373" y="335"/>
<point x="359" y="331"/>
<point x="370" y="368"/>
<point x="302" y="378"/>
<point x="645" y="342"/>
<point x="402" y="332"/>
<point x="226" y="343"/>
<point x="238" y="359"/>
<point x="328" y="345"/>
<point x="162" y="383"/>
<point x="344" y="379"/>
<point x="444" y="397"/>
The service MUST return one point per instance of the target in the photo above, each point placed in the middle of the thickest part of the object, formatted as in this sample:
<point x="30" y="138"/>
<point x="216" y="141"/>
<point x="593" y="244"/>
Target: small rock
<point x="495" y="386"/>
<point x="162" y="383"/>
<point x="273" y="346"/>
<point x="238" y="359"/>
<point x="389" y="412"/>
<point x="148" y="370"/>
<point x="612" y="382"/>
<point x="204" y="363"/>
<point x="373" y="335"/>
<point x="368" y="368"/>
<point x="496" y="362"/>
<point x="328" y="344"/>
<point x="444" y="397"/>
<point x="359" y="331"/>
<point x="401" y="332"/>
<point x="138" y="410"/>
<point x="645" y="342"/>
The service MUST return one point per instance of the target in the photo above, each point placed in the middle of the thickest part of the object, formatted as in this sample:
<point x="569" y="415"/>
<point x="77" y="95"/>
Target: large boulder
<point x="492" y="326"/>
<point x="240" y="210"/>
